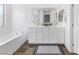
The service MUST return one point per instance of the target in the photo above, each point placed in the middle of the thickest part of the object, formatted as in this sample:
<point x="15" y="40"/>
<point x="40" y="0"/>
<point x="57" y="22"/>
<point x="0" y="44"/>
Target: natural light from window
<point x="1" y="16"/>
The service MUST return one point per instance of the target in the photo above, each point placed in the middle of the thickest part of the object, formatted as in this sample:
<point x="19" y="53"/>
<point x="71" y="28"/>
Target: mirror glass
<point x="47" y="16"/>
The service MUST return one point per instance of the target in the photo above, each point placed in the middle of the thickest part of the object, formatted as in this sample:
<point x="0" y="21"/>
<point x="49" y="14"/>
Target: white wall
<point x="20" y="18"/>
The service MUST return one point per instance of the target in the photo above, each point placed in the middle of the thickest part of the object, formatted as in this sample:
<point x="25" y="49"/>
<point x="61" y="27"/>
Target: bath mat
<point x="48" y="50"/>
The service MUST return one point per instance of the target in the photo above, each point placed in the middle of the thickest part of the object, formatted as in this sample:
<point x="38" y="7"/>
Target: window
<point x="1" y="15"/>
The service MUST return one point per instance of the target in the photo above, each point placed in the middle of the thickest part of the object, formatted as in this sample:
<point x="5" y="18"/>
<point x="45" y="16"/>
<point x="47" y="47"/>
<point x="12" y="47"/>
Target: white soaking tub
<point x="10" y="42"/>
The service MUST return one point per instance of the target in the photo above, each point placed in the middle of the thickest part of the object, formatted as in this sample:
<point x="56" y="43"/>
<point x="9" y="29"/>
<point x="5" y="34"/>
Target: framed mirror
<point x="44" y="16"/>
<point x="60" y="16"/>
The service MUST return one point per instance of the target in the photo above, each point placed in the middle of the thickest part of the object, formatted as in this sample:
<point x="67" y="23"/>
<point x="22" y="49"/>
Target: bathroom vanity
<point x="46" y="30"/>
<point x="45" y="35"/>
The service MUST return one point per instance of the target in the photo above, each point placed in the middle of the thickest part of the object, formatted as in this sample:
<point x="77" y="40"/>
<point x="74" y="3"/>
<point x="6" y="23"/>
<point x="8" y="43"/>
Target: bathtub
<point x="10" y="42"/>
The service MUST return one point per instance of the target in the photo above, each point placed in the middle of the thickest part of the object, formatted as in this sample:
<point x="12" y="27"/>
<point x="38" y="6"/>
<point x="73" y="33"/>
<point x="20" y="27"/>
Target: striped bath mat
<point x="48" y="50"/>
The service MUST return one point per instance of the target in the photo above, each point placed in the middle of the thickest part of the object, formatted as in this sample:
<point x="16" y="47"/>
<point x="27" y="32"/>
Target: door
<point x="76" y="28"/>
<point x="71" y="28"/>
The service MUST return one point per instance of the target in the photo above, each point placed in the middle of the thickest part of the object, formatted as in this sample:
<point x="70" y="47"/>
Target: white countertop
<point x="44" y="27"/>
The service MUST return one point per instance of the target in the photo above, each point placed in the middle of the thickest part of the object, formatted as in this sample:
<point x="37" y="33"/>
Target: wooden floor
<point x="26" y="49"/>
<point x="29" y="49"/>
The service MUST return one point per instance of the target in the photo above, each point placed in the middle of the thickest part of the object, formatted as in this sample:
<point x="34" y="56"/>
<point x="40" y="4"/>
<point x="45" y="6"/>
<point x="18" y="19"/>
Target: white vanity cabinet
<point x="46" y="35"/>
<point x="56" y="35"/>
<point x="53" y="34"/>
<point x="35" y="35"/>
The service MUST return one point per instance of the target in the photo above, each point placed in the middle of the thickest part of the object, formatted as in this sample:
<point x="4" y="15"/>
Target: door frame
<point x="76" y="28"/>
<point x="72" y="28"/>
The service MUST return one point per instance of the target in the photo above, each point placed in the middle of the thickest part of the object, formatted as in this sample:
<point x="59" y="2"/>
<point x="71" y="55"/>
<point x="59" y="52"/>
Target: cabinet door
<point x="61" y="36"/>
<point x="53" y="34"/>
<point x="56" y="36"/>
<point x="45" y="35"/>
<point x="35" y="35"/>
<point x="38" y="35"/>
<point x="32" y="36"/>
